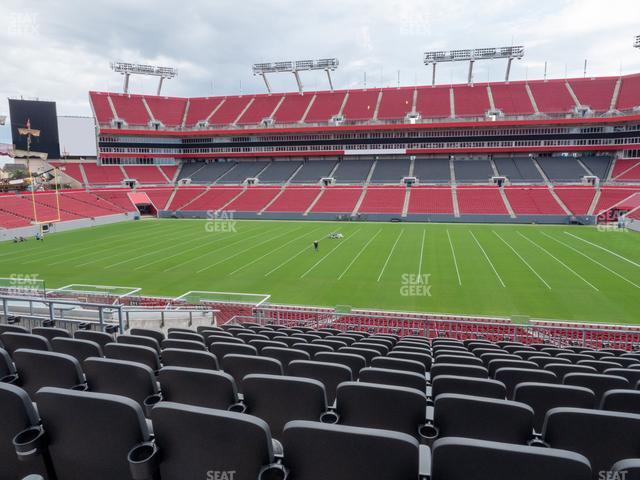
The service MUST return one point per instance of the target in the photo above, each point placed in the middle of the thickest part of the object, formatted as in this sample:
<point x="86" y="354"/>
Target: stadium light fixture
<point x="327" y="64"/>
<point x="128" y="69"/>
<point x="637" y="42"/>
<point x="471" y="56"/>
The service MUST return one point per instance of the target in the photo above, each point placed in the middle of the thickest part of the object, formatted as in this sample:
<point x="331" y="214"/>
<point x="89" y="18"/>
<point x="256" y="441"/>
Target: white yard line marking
<point x="560" y="262"/>
<point x="390" y="253"/>
<point x="358" y="255"/>
<point x="91" y="249"/>
<point x="330" y="252"/>
<point x="523" y="260"/>
<point x="275" y="250"/>
<point x="66" y="248"/>
<point x="488" y="260"/>
<point x="424" y="233"/>
<point x="179" y="265"/>
<point x="241" y="252"/>
<point x="97" y="257"/>
<point x="594" y="261"/>
<point x="455" y="261"/>
<point x="602" y="248"/>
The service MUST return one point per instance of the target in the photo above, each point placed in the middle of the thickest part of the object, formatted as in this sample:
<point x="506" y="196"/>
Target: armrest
<point x="237" y="407"/>
<point x="538" y="442"/>
<point x="13" y="378"/>
<point x="29" y="443"/>
<point x="150" y="402"/>
<point x="329" y="417"/>
<point x="428" y="433"/>
<point x="425" y="462"/>
<point x="81" y="387"/>
<point x="273" y="471"/>
<point x="144" y="460"/>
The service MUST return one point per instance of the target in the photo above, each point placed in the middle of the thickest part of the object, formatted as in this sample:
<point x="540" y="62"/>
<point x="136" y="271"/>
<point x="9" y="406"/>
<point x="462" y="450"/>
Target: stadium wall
<point x="30" y="231"/>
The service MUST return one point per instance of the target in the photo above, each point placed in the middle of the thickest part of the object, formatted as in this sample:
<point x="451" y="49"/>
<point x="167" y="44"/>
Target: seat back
<point x="511" y="377"/>
<point x="18" y="414"/>
<point x="203" y="388"/>
<point x="141" y="340"/>
<point x="278" y="399"/>
<point x="194" y="442"/>
<point x="120" y="377"/>
<point x="355" y="362"/>
<point x="372" y="405"/>
<point x="37" y="369"/>
<point x="621" y="401"/>
<point x="78" y="349"/>
<point x="542" y="397"/>
<point x="183" y="344"/>
<point x="480" y="387"/>
<point x="285" y="355"/>
<point x="329" y="374"/>
<point x="597" y="382"/>
<point x="147" y="332"/>
<point x="463" y="459"/>
<point x="101" y="338"/>
<point x="400" y="364"/>
<point x="238" y="366"/>
<point x="133" y="353"/>
<point x="220" y="349"/>
<point x="316" y="451"/>
<point x="179" y="357"/>
<point x="13" y="341"/>
<point x="394" y="377"/>
<point x="458" y="370"/>
<point x="603" y="437"/>
<point x="483" y="418"/>
<point x="51" y="332"/>
<point x="75" y="424"/>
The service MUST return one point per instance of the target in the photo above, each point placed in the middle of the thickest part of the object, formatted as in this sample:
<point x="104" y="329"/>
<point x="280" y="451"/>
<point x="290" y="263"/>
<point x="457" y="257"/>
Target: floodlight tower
<point x="471" y="56"/>
<point x="327" y="64"/>
<point x="128" y="69"/>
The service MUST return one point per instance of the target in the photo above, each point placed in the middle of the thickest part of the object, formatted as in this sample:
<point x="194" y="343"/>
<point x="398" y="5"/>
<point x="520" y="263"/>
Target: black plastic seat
<point x="78" y="349"/>
<point x="12" y="341"/>
<point x="511" y="377"/>
<point x="494" y="365"/>
<point x="220" y="349"/>
<point x="133" y="353"/>
<point x="604" y="438"/>
<point x="198" y="443"/>
<point x="157" y="335"/>
<point x="101" y="338"/>
<point x="7" y="368"/>
<point x="183" y="344"/>
<point x="37" y="369"/>
<point x="458" y="370"/>
<point x="329" y="374"/>
<point x="140" y="340"/>
<point x="393" y="377"/>
<point x="285" y="355"/>
<point x="542" y="397"/>
<point x="193" y="386"/>
<point x="400" y="364"/>
<point x="190" y="336"/>
<point x="598" y="383"/>
<point x="179" y="357"/>
<point x="18" y="414"/>
<point x="562" y="369"/>
<point x="238" y="366"/>
<point x="361" y="404"/>
<point x="316" y="451"/>
<point x="483" y="418"/>
<point x="424" y="358"/>
<point x="75" y="424"/>
<point x="465" y="459"/>
<point x="280" y="399"/>
<point x="480" y="387"/>
<point x="355" y="362"/>
<point x="120" y="377"/>
<point x="621" y="401"/>
<point x="51" y="332"/>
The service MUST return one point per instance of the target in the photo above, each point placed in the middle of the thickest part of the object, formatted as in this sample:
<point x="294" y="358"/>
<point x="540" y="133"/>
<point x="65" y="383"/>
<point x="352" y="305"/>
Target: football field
<point x="554" y="272"/>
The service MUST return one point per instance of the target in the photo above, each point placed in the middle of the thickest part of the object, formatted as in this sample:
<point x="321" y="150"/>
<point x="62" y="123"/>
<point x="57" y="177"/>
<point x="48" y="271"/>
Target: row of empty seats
<point x="328" y="403"/>
<point x="114" y="174"/>
<point x="387" y="104"/>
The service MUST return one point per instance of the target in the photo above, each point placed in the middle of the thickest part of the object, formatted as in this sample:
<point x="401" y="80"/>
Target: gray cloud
<point x="60" y="49"/>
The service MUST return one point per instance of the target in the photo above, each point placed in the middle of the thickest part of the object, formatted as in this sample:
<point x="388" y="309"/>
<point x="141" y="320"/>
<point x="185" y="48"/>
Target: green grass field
<point x="559" y="272"/>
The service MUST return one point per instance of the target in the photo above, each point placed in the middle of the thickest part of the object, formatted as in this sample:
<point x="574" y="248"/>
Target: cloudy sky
<point x="60" y="49"/>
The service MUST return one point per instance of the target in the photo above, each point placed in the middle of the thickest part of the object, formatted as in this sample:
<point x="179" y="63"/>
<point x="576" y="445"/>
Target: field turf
<point x="555" y="272"/>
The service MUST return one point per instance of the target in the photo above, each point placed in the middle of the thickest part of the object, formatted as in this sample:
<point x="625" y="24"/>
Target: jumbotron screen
<point x="41" y="116"/>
